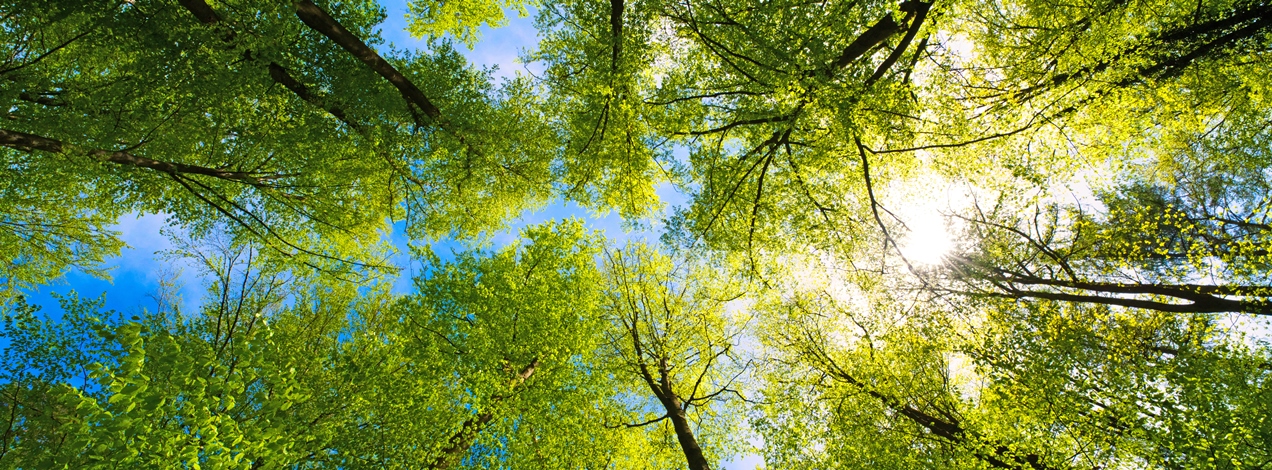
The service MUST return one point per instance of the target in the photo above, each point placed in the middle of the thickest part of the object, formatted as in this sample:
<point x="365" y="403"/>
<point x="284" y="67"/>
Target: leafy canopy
<point x="1106" y="304"/>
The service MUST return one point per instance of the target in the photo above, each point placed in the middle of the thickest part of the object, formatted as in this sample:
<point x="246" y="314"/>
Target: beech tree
<point x="245" y="381"/>
<point x="1188" y="237"/>
<point x="490" y="362"/>
<point x="514" y="338"/>
<point x="1140" y="386"/>
<point x="672" y="346"/>
<point x="282" y="121"/>
<point x="766" y="100"/>
<point x="796" y="117"/>
<point x="854" y="383"/>
<point x="1122" y="326"/>
<point x="857" y="379"/>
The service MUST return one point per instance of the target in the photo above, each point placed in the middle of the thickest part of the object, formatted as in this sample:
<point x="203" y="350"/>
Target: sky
<point x="137" y="272"/>
<point x="135" y="275"/>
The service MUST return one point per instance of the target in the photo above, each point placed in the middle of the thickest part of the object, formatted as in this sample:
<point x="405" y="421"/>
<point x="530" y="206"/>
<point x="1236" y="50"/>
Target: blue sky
<point x="136" y="273"/>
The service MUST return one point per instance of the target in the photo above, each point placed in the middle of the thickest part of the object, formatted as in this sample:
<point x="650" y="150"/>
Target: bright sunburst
<point x="929" y="239"/>
<point x="921" y="204"/>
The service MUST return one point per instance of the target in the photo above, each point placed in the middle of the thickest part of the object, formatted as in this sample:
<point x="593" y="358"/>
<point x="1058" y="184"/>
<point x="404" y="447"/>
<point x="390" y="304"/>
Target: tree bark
<point x="320" y="21"/>
<point x="460" y="443"/>
<point x="206" y="15"/>
<point x="201" y="10"/>
<point x="1202" y="298"/>
<point x="1209" y="305"/>
<point x="919" y="10"/>
<point x="879" y="32"/>
<point x="684" y="435"/>
<point x="662" y="389"/>
<point x="616" y="32"/>
<point x="679" y="420"/>
<point x="32" y="142"/>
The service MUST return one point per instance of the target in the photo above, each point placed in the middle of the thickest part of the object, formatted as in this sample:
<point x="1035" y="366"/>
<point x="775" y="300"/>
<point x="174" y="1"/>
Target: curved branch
<point x="920" y="10"/>
<point x="31" y="142"/>
<point x="206" y="15"/>
<point x="318" y="20"/>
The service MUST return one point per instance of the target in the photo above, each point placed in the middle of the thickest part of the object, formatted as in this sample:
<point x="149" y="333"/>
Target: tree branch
<point x="206" y="15"/>
<point x="459" y="443"/>
<point x="919" y="10"/>
<point x="318" y="20"/>
<point x="32" y="142"/>
<point x="879" y="32"/>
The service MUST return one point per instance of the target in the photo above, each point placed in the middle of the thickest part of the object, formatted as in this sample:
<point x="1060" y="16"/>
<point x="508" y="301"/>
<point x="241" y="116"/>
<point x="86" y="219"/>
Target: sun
<point x="923" y="206"/>
<point x="928" y="240"/>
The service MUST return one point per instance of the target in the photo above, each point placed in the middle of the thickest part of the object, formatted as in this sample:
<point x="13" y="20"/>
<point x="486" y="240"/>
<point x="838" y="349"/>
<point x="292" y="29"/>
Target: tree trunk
<point x="684" y="434"/>
<point x="679" y="421"/>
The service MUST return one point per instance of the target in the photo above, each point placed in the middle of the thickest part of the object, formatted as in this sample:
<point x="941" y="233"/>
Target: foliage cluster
<point x="1106" y="304"/>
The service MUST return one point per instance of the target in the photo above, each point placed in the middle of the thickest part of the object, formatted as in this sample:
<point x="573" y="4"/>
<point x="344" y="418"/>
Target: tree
<point x="794" y="115"/>
<point x="490" y="362"/>
<point x="858" y="378"/>
<point x="1063" y="56"/>
<point x="867" y="379"/>
<point x="280" y="121"/>
<point x="1065" y="332"/>
<point x="244" y="382"/>
<point x="1191" y="238"/>
<point x="765" y="99"/>
<point x="1047" y="89"/>
<point x="516" y="335"/>
<point x="671" y="337"/>
<point x="1105" y="264"/>
<point x="1148" y="388"/>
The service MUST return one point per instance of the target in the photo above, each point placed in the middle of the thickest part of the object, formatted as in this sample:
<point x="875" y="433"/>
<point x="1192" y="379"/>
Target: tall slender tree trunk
<point x="684" y="434"/>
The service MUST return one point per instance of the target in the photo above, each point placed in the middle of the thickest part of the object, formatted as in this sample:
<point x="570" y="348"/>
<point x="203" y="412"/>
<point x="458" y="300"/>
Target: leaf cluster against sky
<point x="1015" y="234"/>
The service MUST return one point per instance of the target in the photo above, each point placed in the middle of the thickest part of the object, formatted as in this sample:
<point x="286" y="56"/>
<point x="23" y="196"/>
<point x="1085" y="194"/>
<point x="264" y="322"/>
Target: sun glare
<point x="928" y="241"/>
<point x="922" y="203"/>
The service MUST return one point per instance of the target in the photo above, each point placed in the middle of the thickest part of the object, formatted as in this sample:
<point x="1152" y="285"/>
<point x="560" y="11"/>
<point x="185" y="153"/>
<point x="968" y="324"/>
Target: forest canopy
<point x="1092" y="290"/>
